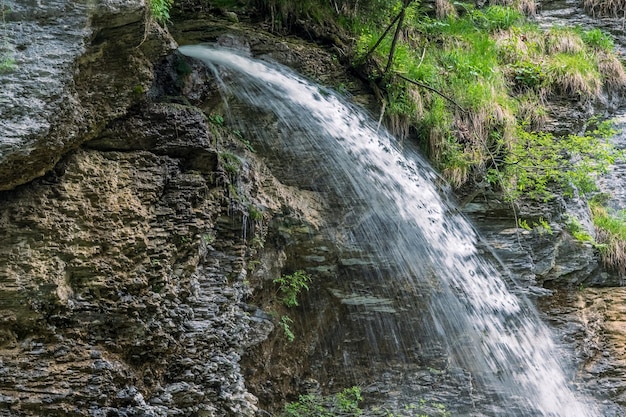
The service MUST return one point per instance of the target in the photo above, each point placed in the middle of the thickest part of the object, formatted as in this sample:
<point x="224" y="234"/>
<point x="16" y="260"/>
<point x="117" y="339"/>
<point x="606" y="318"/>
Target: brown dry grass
<point x="532" y="112"/>
<point x="561" y="41"/>
<point x="613" y="250"/>
<point x="612" y="70"/>
<point x="614" y="8"/>
<point x="444" y="9"/>
<point x="566" y="82"/>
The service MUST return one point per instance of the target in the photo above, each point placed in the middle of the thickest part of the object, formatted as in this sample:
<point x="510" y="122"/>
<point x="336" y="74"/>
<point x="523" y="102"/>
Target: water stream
<point x="421" y="297"/>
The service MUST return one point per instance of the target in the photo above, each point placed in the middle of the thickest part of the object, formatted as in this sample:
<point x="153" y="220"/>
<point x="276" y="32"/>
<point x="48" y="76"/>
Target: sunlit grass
<point x="490" y="73"/>
<point x="610" y="236"/>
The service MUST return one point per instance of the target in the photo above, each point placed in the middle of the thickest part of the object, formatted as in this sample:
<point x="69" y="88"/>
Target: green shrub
<point x="342" y="404"/>
<point x="537" y="162"/>
<point x="597" y="38"/>
<point x="284" y="323"/>
<point x="528" y="75"/>
<point x="290" y="287"/>
<point x="160" y="10"/>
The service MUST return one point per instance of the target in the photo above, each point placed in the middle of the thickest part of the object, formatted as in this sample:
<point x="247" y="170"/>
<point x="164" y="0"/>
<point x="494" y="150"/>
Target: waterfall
<point x="425" y="282"/>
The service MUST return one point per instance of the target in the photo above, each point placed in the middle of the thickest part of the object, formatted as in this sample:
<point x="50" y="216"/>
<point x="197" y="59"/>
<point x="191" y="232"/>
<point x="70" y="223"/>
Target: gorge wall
<point x="139" y="232"/>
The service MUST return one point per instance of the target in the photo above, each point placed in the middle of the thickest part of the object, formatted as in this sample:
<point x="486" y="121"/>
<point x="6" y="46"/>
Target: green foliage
<point x="216" y="119"/>
<point x="541" y="226"/>
<point x="7" y="63"/>
<point x="496" y="17"/>
<point x="230" y="163"/>
<point x="528" y="75"/>
<point x="342" y="404"/>
<point x="523" y="224"/>
<point x="208" y="238"/>
<point x="160" y="10"/>
<point x="290" y="286"/>
<point x="539" y="161"/>
<point x="254" y="213"/>
<point x="284" y="324"/>
<point x="7" y="60"/>
<point x="597" y="38"/>
<point x="578" y="232"/>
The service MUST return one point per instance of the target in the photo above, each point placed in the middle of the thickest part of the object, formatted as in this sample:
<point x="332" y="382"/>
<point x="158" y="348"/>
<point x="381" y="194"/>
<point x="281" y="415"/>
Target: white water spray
<point x="406" y="223"/>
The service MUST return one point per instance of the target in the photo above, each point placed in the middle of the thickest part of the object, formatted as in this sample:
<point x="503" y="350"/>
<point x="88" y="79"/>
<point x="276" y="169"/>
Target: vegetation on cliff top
<point x="474" y="86"/>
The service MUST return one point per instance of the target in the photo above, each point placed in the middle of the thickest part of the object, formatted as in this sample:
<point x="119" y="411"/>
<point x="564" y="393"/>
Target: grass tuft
<point x="611" y="237"/>
<point x="611" y="8"/>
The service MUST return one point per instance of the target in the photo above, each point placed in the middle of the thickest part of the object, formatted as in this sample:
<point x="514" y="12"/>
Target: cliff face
<point x="122" y="279"/>
<point x="77" y="64"/>
<point x="122" y="268"/>
<point x="137" y="229"/>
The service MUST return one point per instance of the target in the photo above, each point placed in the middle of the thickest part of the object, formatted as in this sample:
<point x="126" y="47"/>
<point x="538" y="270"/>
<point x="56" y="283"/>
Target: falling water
<point x="425" y="283"/>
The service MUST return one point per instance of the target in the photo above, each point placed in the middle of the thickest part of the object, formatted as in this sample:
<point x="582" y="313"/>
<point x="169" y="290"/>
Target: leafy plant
<point x="216" y="119"/>
<point x="528" y="74"/>
<point x="539" y="161"/>
<point x="578" y="232"/>
<point x="290" y="287"/>
<point x="342" y="404"/>
<point x="284" y="324"/>
<point x="160" y="10"/>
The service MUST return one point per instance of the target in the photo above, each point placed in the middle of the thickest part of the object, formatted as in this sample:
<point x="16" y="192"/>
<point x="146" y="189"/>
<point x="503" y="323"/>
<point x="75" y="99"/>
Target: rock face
<point x="592" y="321"/>
<point x="77" y="64"/>
<point x="123" y="270"/>
<point x="546" y="255"/>
<point x="136" y="230"/>
<point x="122" y="295"/>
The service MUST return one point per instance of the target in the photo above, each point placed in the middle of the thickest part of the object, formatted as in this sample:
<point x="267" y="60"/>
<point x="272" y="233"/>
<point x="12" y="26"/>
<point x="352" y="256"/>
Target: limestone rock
<point x="77" y="65"/>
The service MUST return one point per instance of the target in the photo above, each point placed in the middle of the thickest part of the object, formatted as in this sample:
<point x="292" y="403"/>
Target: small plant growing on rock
<point x="284" y="323"/>
<point x="344" y="403"/>
<point x="160" y="10"/>
<point x="577" y="230"/>
<point x="290" y="287"/>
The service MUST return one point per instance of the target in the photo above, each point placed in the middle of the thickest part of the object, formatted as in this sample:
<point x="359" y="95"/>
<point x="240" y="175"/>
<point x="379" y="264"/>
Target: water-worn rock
<point x="77" y="64"/>
<point x="591" y="322"/>
<point x="545" y="255"/>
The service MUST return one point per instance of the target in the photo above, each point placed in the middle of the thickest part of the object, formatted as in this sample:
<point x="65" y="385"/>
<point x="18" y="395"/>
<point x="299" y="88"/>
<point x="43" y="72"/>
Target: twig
<point x="395" y="40"/>
<point x="417" y="83"/>
<point x="373" y="48"/>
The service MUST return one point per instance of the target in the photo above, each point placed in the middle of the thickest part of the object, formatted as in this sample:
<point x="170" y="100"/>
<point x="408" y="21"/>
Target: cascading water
<point x="420" y="286"/>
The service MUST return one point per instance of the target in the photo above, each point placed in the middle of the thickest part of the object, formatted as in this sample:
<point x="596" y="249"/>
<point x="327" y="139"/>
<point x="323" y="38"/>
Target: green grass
<point x="7" y="64"/>
<point x="497" y="70"/>
<point x="610" y="236"/>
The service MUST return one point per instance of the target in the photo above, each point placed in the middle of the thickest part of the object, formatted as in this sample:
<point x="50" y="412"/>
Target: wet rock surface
<point x="546" y="255"/>
<point x="591" y="321"/>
